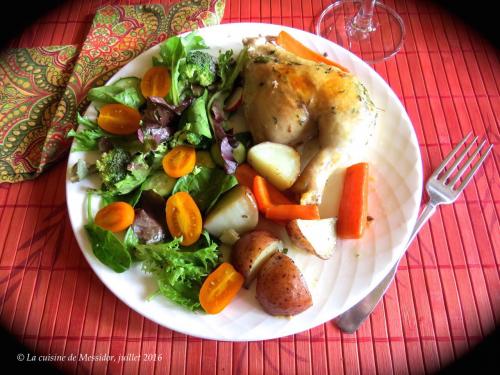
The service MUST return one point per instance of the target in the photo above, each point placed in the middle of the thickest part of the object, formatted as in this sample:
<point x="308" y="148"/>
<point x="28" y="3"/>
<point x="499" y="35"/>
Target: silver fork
<point x="440" y="188"/>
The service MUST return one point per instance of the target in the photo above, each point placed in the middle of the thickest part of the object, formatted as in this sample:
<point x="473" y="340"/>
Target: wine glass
<point x="368" y="28"/>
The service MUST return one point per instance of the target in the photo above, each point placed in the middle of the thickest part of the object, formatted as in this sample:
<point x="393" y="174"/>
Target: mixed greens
<point x="131" y="164"/>
<point x="180" y="272"/>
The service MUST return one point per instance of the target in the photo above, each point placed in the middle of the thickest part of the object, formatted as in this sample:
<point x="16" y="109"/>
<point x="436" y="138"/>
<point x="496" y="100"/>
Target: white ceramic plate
<point x="335" y="284"/>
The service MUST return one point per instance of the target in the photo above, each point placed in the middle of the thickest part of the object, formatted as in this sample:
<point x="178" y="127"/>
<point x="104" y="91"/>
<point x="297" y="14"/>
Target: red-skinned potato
<point x="251" y="251"/>
<point x="281" y="288"/>
<point x="315" y="236"/>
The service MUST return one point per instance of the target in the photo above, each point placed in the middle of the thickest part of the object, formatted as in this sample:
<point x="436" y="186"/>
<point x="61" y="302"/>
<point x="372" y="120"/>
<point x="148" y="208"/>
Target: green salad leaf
<point x="196" y="115"/>
<point x="205" y="185"/>
<point x="130" y="241"/>
<point x="161" y="183"/>
<point x="194" y="128"/>
<point x="173" y="53"/>
<point x="88" y="138"/>
<point x="125" y="91"/>
<point x="178" y="271"/>
<point x="138" y="171"/>
<point x="228" y="69"/>
<point x="131" y="198"/>
<point x="81" y="170"/>
<point x="124" y="175"/>
<point x="158" y="154"/>
<point x="107" y="248"/>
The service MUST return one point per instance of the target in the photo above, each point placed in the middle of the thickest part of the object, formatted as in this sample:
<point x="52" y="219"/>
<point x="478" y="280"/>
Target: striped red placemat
<point x="445" y="299"/>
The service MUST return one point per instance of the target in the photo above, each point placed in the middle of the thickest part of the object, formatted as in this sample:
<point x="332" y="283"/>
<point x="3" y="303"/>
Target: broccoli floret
<point x="199" y="68"/>
<point x="112" y="166"/>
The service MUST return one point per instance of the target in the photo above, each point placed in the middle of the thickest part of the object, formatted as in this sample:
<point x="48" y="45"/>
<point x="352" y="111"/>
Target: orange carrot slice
<point x="245" y="175"/>
<point x="354" y="203"/>
<point x="267" y="195"/>
<point x="293" y="211"/>
<point x="292" y="45"/>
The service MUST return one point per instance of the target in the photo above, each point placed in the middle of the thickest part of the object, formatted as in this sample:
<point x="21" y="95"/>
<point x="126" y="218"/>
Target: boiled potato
<point x="236" y="210"/>
<point x="281" y="288"/>
<point x="251" y="251"/>
<point x="279" y="164"/>
<point x="229" y="237"/>
<point x="316" y="236"/>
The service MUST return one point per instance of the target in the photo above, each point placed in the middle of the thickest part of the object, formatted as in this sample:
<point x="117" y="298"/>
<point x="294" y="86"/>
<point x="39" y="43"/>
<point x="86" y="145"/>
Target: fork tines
<point x="445" y="177"/>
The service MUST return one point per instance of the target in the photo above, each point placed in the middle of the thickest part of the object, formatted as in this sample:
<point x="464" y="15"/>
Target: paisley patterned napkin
<point x="41" y="89"/>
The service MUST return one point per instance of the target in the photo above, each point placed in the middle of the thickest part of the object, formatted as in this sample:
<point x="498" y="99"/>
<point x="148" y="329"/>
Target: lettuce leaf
<point x="107" y="248"/>
<point x="205" y="185"/>
<point x="228" y="70"/>
<point x="125" y="91"/>
<point x="157" y="122"/>
<point x="173" y="53"/>
<point x="88" y="138"/>
<point x="138" y="170"/>
<point x="179" y="271"/>
<point x="194" y="128"/>
<point x="105" y="245"/>
<point x="196" y="115"/>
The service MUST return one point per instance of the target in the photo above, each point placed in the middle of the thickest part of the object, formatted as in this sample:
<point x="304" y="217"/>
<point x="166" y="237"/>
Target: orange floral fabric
<point x="41" y="89"/>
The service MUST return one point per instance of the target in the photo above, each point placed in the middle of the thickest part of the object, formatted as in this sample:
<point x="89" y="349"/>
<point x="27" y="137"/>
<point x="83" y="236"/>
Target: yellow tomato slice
<point x="156" y="82"/>
<point x="219" y="288"/>
<point x="179" y="161"/>
<point x="184" y="218"/>
<point x="115" y="217"/>
<point x="119" y="119"/>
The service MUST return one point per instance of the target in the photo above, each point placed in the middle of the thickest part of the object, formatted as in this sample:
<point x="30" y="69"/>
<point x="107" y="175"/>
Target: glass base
<point x="376" y="41"/>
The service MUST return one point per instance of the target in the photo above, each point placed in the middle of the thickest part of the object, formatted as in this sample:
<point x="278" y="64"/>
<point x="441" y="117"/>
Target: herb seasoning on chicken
<point x="301" y="99"/>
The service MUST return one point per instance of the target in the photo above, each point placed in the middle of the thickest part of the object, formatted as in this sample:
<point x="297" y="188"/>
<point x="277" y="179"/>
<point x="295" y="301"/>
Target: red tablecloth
<point x="446" y="297"/>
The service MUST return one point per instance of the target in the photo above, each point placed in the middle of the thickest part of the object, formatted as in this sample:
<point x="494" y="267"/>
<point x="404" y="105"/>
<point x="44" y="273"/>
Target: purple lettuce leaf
<point x="149" y="223"/>
<point x="158" y="121"/>
<point x="226" y="151"/>
<point x="225" y="138"/>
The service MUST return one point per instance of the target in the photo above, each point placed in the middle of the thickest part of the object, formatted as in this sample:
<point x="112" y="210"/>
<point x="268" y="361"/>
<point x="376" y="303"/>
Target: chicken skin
<point x="291" y="100"/>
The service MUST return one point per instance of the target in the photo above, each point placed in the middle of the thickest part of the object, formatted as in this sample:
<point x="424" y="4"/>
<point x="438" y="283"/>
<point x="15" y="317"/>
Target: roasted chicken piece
<point x="291" y="100"/>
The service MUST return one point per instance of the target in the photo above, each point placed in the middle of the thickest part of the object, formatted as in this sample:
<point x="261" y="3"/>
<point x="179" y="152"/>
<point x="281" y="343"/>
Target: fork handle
<point x="350" y="320"/>
<point x="426" y="214"/>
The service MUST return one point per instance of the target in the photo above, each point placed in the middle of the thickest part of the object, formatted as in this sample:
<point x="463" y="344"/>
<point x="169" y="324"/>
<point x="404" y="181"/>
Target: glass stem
<point x="362" y="24"/>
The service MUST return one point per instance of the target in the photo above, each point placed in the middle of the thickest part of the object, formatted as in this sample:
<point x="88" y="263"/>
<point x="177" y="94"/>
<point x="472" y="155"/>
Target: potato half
<point x="279" y="164"/>
<point x="236" y="210"/>
<point x="316" y="236"/>
<point x="281" y="288"/>
<point x="251" y="251"/>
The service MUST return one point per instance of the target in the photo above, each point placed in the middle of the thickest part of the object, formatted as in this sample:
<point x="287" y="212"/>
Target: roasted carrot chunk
<point x="354" y="202"/>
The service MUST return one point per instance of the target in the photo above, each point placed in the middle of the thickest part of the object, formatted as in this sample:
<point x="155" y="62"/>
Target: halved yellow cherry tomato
<point x="156" y="82"/>
<point x="184" y="218"/>
<point x="219" y="288"/>
<point x="119" y="119"/>
<point x="115" y="217"/>
<point x="179" y="161"/>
